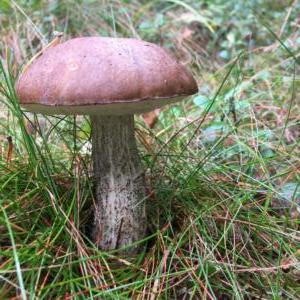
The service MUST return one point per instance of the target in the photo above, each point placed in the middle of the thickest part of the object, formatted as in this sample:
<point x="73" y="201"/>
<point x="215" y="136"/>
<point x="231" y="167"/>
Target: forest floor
<point x="222" y="166"/>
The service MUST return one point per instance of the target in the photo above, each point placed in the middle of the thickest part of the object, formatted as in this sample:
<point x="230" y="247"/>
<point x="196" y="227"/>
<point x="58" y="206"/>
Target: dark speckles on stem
<point x="120" y="185"/>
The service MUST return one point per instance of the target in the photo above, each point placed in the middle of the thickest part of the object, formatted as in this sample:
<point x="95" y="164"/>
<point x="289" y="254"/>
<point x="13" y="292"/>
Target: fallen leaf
<point x="151" y="117"/>
<point x="288" y="261"/>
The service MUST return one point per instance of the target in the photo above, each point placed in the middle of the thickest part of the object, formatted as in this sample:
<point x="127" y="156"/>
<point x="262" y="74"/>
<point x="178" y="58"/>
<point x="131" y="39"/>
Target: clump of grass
<point x="222" y="167"/>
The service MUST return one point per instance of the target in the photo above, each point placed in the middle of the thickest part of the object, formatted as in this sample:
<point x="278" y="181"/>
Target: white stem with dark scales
<point x="120" y="217"/>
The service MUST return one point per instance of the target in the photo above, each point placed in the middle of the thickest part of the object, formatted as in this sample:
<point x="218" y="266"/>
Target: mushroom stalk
<point x="119" y="218"/>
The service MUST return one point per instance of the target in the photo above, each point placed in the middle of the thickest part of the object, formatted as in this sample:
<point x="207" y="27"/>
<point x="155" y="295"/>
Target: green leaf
<point x="201" y="101"/>
<point x="291" y="192"/>
<point x="213" y="132"/>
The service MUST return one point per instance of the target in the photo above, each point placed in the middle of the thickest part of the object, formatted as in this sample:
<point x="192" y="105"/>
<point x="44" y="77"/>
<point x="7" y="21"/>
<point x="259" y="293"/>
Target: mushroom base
<point x="120" y="217"/>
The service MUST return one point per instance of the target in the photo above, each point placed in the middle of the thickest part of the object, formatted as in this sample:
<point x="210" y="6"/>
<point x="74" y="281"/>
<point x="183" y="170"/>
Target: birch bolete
<point x="110" y="79"/>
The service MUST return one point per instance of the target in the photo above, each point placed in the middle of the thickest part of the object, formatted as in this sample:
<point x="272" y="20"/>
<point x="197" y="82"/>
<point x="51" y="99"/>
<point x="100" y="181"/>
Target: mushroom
<point x="110" y="79"/>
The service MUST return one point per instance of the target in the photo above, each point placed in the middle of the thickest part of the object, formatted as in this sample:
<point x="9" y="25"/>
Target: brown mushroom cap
<point x="99" y="75"/>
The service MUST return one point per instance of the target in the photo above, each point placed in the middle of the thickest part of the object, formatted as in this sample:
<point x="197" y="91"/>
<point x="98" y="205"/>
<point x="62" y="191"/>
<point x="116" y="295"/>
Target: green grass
<point x="222" y="167"/>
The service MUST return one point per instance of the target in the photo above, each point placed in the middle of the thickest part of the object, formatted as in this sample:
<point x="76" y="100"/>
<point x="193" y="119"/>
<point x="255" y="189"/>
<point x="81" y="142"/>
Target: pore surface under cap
<point x="102" y="75"/>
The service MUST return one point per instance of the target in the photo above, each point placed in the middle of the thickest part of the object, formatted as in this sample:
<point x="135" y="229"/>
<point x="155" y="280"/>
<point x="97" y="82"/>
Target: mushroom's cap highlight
<point x="98" y="75"/>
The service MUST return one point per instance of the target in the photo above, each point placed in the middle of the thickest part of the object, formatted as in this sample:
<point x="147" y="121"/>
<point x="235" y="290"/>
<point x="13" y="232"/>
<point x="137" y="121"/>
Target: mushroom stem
<point x="120" y="217"/>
